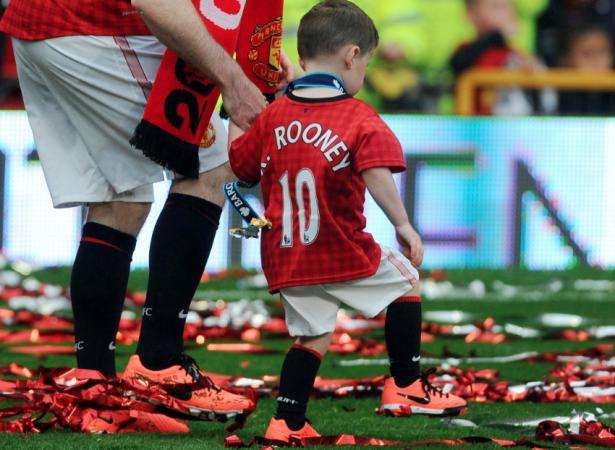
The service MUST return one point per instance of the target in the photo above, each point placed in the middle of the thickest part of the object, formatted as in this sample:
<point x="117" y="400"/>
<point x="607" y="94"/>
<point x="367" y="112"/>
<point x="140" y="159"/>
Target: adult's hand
<point x="243" y="101"/>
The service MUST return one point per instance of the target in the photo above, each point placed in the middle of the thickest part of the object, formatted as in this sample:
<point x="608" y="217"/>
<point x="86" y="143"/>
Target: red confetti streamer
<point x="36" y="336"/>
<point x="341" y="440"/>
<point x="239" y="348"/>
<point x="344" y="344"/>
<point x="590" y="432"/>
<point x="42" y="349"/>
<point x="52" y="323"/>
<point x="16" y="369"/>
<point x="87" y="401"/>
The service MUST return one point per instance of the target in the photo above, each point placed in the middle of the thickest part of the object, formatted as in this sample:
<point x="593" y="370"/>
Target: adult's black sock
<point x="403" y="338"/>
<point x="181" y="243"/>
<point x="98" y="289"/>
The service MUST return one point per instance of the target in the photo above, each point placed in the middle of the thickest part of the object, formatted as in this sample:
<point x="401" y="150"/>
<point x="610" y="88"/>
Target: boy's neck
<point x="318" y="92"/>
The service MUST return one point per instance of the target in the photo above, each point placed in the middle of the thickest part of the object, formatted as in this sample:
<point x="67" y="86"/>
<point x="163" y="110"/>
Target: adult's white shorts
<point x="84" y="96"/>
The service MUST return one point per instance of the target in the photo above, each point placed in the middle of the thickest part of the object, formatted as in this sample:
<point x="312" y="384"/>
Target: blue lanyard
<point x="317" y="80"/>
<point x="255" y="222"/>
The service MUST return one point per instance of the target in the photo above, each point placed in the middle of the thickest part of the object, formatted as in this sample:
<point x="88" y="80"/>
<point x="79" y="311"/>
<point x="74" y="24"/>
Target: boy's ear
<point x="352" y="54"/>
<point x="302" y="64"/>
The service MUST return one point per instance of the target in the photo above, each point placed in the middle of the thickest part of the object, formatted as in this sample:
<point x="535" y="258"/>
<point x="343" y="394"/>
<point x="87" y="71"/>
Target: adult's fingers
<point x="243" y="101"/>
<point x="245" y="111"/>
<point x="241" y="121"/>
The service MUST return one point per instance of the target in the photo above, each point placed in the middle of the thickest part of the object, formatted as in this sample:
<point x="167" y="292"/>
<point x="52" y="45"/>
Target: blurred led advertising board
<point x="484" y="192"/>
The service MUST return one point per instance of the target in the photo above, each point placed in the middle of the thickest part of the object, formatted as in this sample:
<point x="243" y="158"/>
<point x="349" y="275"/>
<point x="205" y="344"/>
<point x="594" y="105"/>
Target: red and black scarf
<point x="182" y="101"/>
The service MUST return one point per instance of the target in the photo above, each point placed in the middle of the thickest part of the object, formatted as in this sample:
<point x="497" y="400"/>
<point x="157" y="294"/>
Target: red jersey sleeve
<point x="245" y="154"/>
<point x="378" y="147"/>
<point x="45" y="19"/>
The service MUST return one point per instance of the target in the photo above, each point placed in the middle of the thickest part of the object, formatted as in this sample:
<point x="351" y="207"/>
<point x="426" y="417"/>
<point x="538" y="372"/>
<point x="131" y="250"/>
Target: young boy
<point x="315" y="151"/>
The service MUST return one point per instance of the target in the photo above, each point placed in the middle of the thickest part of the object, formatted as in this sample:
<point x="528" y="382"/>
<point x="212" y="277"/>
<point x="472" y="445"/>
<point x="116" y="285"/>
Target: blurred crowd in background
<point x="426" y="45"/>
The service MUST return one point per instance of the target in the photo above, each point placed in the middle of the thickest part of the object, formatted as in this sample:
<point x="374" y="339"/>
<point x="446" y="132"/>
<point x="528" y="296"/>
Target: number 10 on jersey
<point x="308" y="226"/>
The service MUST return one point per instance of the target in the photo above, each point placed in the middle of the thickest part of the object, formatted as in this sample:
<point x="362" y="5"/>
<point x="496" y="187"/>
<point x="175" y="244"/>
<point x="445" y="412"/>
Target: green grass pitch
<point x="351" y="415"/>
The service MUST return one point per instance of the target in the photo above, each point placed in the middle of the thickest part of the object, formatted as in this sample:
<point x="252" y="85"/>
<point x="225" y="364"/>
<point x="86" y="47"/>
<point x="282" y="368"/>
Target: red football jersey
<point x="45" y="19"/>
<point x="308" y="155"/>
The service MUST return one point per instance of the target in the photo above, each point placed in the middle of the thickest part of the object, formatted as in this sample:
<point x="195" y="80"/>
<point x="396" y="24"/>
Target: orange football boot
<point x="278" y="431"/>
<point x="208" y="401"/>
<point x="421" y="397"/>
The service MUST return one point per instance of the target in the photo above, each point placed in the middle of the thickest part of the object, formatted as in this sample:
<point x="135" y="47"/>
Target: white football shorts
<point x="312" y="310"/>
<point x="84" y="96"/>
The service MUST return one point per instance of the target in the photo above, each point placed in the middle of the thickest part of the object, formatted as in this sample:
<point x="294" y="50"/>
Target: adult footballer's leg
<point x="80" y="95"/>
<point x="125" y="217"/>
<point x="99" y="279"/>
<point x="181" y="243"/>
<point x="179" y="250"/>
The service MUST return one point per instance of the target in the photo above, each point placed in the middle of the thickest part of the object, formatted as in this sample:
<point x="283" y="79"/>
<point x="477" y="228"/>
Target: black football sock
<point x="98" y="288"/>
<point x="181" y="243"/>
<point x="296" y="382"/>
<point x="403" y="338"/>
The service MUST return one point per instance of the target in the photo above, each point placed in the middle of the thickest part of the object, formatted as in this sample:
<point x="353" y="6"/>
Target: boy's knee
<point x="319" y="344"/>
<point x="307" y="340"/>
<point x="413" y="296"/>
<point x="415" y="291"/>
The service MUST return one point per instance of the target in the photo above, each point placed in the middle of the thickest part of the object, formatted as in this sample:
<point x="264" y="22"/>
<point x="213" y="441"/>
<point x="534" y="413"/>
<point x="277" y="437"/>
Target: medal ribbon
<point x="317" y="80"/>
<point x="255" y="222"/>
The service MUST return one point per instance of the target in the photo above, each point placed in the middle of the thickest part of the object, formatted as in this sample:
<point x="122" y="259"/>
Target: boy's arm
<point x="378" y="154"/>
<point x="245" y="152"/>
<point x="383" y="189"/>
<point x="234" y="132"/>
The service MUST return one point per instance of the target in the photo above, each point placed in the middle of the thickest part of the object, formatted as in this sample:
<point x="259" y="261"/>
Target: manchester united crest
<point x="269" y="33"/>
<point x="210" y="137"/>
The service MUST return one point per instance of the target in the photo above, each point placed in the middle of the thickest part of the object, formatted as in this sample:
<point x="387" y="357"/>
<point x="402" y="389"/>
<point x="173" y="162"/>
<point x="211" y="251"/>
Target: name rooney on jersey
<point x="329" y="144"/>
